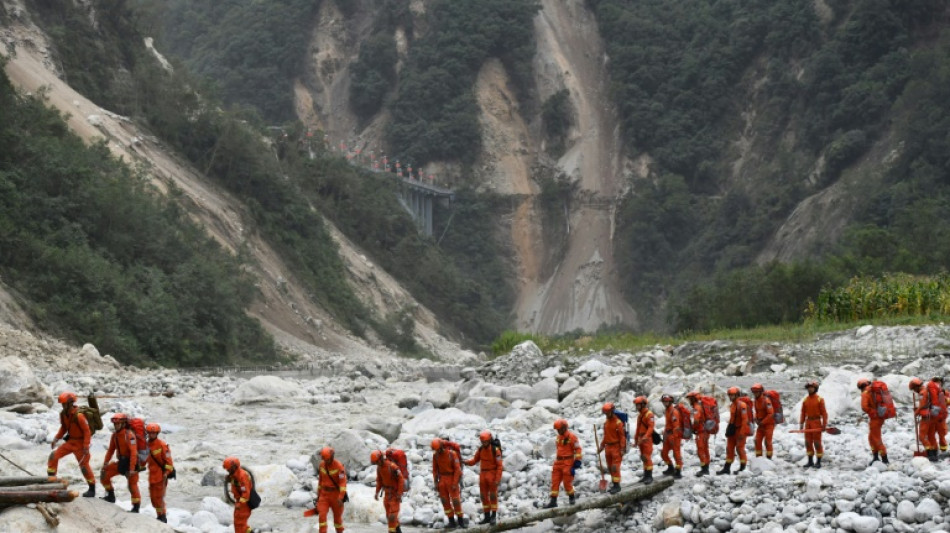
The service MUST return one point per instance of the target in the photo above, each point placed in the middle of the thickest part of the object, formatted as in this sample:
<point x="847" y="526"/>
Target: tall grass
<point x="890" y="296"/>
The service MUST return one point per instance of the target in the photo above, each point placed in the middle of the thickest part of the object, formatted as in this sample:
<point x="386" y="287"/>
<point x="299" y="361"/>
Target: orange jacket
<point x="75" y="425"/>
<point x="645" y="425"/>
<point x="123" y="443"/>
<point x="764" y="410"/>
<point x="389" y="478"/>
<point x="813" y="408"/>
<point x="568" y="447"/>
<point x="699" y="419"/>
<point x="867" y="405"/>
<point x="674" y="424"/>
<point x="614" y="434"/>
<point x="159" y="460"/>
<point x="332" y="477"/>
<point x="446" y="463"/>
<point x="241" y="487"/>
<point x="739" y="416"/>
<point x="488" y="457"/>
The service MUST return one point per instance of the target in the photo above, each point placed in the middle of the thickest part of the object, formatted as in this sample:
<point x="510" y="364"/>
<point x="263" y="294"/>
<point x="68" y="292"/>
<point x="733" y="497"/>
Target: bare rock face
<point x="18" y="384"/>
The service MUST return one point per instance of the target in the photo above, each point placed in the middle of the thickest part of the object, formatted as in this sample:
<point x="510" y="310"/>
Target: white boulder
<point x="265" y="389"/>
<point x="435" y="421"/>
<point x="19" y="385"/>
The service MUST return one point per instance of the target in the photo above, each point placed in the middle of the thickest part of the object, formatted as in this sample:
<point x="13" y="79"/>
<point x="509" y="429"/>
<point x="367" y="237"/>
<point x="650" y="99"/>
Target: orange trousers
<point x="763" y="433"/>
<point x="942" y="434"/>
<point x="561" y="473"/>
<point x="156" y="493"/>
<point x="111" y="470"/>
<point x="242" y="513"/>
<point x="70" y="447"/>
<point x="927" y="432"/>
<point x="646" y="453"/>
<point x="674" y="443"/>
<point x="488" y="489"/>
<point x="392" y="504"/>
<point x="735" y="445"/>
<point x="813" y="444"/>
<point x="702" y="447"/>
<point x="451" y="496"/>
<point x="613" y="455"/>
<point x="875" y="439"/>
<point x="330" y="500"/>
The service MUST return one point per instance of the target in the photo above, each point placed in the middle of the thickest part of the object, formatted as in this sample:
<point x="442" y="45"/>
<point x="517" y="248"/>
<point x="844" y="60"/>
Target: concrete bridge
<point x="418" y="197"/>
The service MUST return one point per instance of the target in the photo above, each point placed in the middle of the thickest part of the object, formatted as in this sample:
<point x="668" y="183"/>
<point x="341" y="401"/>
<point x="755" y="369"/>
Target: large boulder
<point x="350" y="448"/>
<point x="840" y="393"/>
<point x="594" y="392"/>
<point x="383" y="427"/>
<point x="274" y="482"/>
<point x="897" y="385"/>
<point x="266" y="389"/>
<point x="19" y="385"/>
<point x="530" y="420"/>
<point x="546" y="389"/>
<point x="526" y="350"/>
<point x="485" y="407"/>
<point x="435" y="421"/>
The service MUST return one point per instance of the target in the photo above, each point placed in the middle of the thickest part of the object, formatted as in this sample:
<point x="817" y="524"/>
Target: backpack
<point x="452" y="446"/>
<point x="93" y="417"/>
<point x="496" y="445"/>
<point x="686" y="420"/>
<point x="779" y="414"/>
<point x="938" y="400"/>
<point x="137" y="425"/>
<point x="882" y="401"/>
<point x="398" y="457"/>
<point x="749" y="406"/>
<point x="625" y="418"/>
<point x="710" y="408"/>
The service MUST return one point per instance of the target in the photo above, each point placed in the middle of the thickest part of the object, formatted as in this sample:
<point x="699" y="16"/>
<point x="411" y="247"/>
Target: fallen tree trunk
<point x="16" y="481"/>
<point x="638" y="492"/>
<point x="22" y="498"/>
<point x="33" y="488"/>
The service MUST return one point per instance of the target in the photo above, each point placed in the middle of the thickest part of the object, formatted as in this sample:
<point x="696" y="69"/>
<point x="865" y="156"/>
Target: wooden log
<point x="14" y="481"/>
<point x="23" y="498"/>
<point x="60" y="485"/>
<point x="48" y="515"/>
<point x="635" y="493"/>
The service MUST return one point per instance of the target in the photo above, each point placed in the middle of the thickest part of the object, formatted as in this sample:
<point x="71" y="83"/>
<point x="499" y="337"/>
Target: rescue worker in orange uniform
<point x="160" y="469"/>
<point x="241" y="492"/>
<point x="390" y="481"/>
<point x="488" y="457"/>
<point x="566" y="462"/>
<point x="447" y="473"/>
<point x="331" y="490"/>
<point x="765" y="420"/>
<point x="123" y="446"/>
<point x="875" y="423"/>
<point x="928" y="413"/>
<point x="643" y="437"/>
<point x="74" y="429"/>
<point x="737" y="431"/>
<point x="943" y="400"/>
<point x="672" y="438"/>
<point x="699" y="432"/>
<point x="614" y="445"/>
<point x="814" y="421"/>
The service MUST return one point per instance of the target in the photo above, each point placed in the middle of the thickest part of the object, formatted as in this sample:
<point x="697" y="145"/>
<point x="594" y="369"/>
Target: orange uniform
<point x="643" y="436"/>
<point x="331" y="485"/>
<point x="614" y="445"/>
<point x="876" y="422"/>
<point x="739" y="417"/>
<point x="813" y="417"/>
<point x="160" y="465"/>
<point x="765" y="418"/>
<point x="124" y="446"/>
<point x="390" y="481"/>
<point x="942" y="422"/>
<point x="673" y="436"/>
<point x="447" y="473"/>
<point x="568" y="451"/>
<point x="700" y="434"/>
<point x="241" y="491"/>
<point x="74" y="427"/>
<point x="490" y="467"/>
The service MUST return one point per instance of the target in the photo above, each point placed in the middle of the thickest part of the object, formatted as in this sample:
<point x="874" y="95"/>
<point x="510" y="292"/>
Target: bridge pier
<point x="418" y="198"/>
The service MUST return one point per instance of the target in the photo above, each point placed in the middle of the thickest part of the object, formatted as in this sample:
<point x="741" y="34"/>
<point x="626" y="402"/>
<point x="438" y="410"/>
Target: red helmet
<point x="120" y="417"/>
<point x="693" y="396"/>
<point x="67" y="397"/>
<point x="666" y="398"/>
<point x="607" y="408"/>
<point x="560" y="423"/>
<point x="640" y="400"/>
<point x="375" y="456"/>
<point x="326" y="453"/>
<point x="153" y="428"/>
<point x="484" y="436"/>
<point x="812" y="384"/>
<point x="231" y="463"/>
<point x="436" y="444"/>
<point x="757" y="387"/>
<point x="733" y="390"/>
<point x="863" y="382"/>
<point x="915" y="383"/>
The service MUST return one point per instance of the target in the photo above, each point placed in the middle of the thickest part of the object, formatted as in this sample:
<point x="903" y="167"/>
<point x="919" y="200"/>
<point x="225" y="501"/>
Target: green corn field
<point x="892" y="295"/>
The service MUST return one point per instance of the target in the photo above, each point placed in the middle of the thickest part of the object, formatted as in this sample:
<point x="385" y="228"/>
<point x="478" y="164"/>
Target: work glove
<point x="730" y="430"/>
<point x="346" y="497"/>
<point x="172" y="474"/>
<point x="575" y="466"/>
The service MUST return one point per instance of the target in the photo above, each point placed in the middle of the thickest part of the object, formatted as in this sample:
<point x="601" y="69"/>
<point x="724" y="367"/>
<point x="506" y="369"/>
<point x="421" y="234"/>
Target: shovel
<point x="828" y="430"/>
<point x="919" y="452"/>
<point x="600" y="466"/>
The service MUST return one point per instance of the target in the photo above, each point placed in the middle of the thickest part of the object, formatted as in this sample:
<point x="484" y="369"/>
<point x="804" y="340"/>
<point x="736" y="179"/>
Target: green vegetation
<point x="435" y="114"/>
<point x="373" y="74"/>
<point x="103" y="258"/>
<point x="557" y="117"/>
<point x="899" y="295"/>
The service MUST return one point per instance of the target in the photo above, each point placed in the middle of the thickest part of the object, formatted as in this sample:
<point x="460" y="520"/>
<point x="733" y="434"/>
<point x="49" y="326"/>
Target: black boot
<point x="678" y="473"/>
<point x="571" y="499"/>
<point x="463" y="523"/>
<point x="669" y="470"/>
<point x="110" y="496"/>
<point x="551" y="504"/>
<point x="647" y="477"/>
<point x="741" y="468"/>
<point x="614" y="488"/>
<point x="135" y="508"/>
<point x="725" y="469"/>
<point x="494" y="518"/>
<point x="884" y="458"/>
<point x="398" y="529"/>
<point x="161" y="518"/>
<point x="452" y="524"/>
<point x="810" y="462"/>
<point x="768" y="456"/>
<point x="875" y="458"/>
<point x="703" y="471"/>
<point x="91" y="493"/>
<point x="486" y="518"/>
<point x="818" y="462"/>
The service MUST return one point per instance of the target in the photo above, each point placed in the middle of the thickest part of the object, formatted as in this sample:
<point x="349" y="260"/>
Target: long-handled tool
<point x="828" y="430"/>
<point x="919" y="452"/>
<point x="600" y="466"/>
